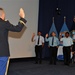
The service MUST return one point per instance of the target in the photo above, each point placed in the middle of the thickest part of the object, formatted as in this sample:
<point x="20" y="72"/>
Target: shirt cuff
<point x="24" y="20"/>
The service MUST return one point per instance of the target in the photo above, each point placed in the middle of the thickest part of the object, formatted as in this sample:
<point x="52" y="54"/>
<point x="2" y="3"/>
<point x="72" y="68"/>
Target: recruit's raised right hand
<point x="33" y="34"/>
<point x="22" y="13"/>
<point x="46" y="35"/>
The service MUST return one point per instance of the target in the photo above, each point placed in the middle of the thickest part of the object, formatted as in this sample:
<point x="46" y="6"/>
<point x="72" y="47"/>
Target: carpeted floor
<point x="29" y="68"/>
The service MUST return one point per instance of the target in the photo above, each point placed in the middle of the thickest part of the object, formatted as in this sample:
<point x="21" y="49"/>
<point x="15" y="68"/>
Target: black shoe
<point x="36" y="62"/>
<point x="54" y="63"/>
<point x="67" y="64"/>
<point x="40" y="62"/>
<point x="50" y="63"/>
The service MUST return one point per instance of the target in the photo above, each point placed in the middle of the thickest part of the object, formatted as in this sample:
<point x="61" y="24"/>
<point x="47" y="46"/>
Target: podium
<point x="60" y="53"/>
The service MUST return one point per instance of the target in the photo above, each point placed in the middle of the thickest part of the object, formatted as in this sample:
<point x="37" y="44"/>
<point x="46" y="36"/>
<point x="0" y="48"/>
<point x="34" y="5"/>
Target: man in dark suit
<point x="5" y="27"/>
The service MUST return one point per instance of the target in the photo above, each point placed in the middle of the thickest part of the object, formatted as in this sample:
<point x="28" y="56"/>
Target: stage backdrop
<point x="47" y="10"/>
<point x="20" y="43"/>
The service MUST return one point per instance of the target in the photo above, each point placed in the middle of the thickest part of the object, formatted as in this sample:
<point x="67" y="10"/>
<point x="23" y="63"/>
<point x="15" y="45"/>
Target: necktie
<point x="38" y="40"/>
<point x="52" y="40"/>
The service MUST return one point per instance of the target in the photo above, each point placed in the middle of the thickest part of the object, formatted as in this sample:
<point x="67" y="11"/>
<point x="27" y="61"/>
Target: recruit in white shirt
<point x="67" y="41"/>
<point x="40" y="41"/>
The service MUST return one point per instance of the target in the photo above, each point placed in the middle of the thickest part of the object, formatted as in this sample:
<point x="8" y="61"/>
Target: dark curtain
<point x="47" y="10"/>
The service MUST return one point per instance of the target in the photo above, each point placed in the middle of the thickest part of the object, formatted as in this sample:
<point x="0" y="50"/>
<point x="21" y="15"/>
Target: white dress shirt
<point x="40" y="41"/>
<point x="67" y="41"/>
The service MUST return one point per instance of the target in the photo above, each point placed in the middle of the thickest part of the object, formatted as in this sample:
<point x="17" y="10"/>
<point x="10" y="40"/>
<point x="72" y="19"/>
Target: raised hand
<point x="33" y="34"/>
<point x="22" y="13"/>
<point x="46" y="35"/>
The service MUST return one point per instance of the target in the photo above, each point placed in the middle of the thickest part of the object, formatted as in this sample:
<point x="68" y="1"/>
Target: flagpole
<point x="64" y="18"/>
<point x="64" y="22"/>
<point x="53" y="19"/>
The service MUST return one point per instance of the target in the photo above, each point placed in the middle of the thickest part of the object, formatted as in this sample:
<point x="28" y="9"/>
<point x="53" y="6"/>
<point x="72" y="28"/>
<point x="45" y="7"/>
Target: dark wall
<point x="47" y="9"/>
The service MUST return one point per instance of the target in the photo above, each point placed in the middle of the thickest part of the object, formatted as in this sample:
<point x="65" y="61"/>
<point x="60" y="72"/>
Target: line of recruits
<point x="68" y="46"/>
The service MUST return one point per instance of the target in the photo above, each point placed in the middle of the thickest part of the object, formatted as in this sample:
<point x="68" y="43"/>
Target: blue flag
<point x="53" y="28"/>
<point x="64" y="27"/>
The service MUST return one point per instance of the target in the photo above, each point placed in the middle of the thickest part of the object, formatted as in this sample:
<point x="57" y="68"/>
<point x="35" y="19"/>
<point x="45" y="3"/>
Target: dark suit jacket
<point x="5" y="27"/>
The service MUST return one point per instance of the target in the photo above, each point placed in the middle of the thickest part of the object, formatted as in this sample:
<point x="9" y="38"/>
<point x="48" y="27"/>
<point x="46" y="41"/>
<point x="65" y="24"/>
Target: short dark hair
<point x="52" y="33"/>
<point x="67" y="33"/>
<point x="1" y="8"/>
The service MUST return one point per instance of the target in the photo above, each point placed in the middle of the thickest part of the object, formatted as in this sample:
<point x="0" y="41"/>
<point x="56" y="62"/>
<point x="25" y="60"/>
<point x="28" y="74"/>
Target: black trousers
<point x="53" y="54"/>
<point x="38" y="52"/>
<point x="66" y="53"/>
<point x="73" y="49"/>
